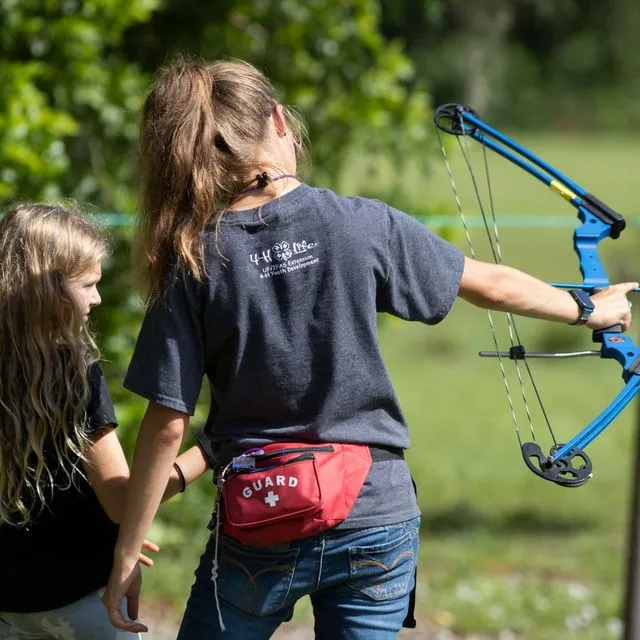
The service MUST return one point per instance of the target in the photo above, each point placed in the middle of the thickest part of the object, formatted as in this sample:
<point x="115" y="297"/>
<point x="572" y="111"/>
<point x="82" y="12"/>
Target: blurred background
<point x="505" y="555"/>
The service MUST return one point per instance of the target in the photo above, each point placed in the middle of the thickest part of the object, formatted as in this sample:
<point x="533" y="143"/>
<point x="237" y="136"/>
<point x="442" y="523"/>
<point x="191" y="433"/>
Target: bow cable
<point x="517" y="352"/>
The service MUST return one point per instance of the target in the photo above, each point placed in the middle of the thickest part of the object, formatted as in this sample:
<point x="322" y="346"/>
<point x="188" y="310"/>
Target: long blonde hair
<point x="202" y="125"/>
<point x="45" y="350"/>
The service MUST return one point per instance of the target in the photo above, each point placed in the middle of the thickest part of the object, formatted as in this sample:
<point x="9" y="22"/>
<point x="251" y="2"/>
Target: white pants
<point x="85" y="619"/>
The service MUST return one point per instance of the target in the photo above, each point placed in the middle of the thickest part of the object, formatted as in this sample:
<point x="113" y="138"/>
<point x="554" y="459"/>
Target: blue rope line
<point x="512" y="222"/>
<point x="113" y="219"/>
<point x="435" y="220"/>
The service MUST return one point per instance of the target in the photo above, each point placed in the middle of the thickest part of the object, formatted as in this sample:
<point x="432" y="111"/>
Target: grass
<point x="497" y="540"/>
<point x="504" y="554"/>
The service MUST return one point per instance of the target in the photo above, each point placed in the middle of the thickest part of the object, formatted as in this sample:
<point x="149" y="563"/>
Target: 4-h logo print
<point x="284" y="257"/>
<point x="281" y="251"/>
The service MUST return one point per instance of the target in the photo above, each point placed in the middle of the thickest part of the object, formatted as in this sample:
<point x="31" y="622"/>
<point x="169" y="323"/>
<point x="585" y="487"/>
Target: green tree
<point x="526" y="62"/>
<point x="68" y="99"/>
<point x="73" y="75"/>
<point x="326" y="57"/>
<point x="68" y="109"/>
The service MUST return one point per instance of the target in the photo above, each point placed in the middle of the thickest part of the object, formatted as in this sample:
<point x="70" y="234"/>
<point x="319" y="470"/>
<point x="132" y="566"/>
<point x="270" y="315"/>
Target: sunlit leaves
<point x="326" y="57"/>
<point x="68" y="100"/>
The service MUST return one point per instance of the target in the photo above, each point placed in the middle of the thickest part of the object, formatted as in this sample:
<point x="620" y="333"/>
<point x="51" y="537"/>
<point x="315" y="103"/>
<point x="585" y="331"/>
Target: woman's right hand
<point x="125" y="582"/>
<point x="612" y="307"/>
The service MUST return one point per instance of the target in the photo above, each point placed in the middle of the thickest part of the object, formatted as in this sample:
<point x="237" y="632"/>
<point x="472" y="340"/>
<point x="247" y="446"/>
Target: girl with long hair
<point x="270" y="288"/>
<point x="63" y="473"/>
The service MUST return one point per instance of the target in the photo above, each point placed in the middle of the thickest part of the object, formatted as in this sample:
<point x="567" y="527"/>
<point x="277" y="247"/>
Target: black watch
<point x="584" y="302"/>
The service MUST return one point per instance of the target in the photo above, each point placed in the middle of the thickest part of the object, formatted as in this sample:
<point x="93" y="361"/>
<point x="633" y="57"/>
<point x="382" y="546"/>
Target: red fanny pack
<point x="287" y="491"/>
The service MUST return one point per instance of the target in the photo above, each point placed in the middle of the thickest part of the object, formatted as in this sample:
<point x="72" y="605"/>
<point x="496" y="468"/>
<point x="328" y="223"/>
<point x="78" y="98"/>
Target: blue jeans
<point x="359" y="581"/>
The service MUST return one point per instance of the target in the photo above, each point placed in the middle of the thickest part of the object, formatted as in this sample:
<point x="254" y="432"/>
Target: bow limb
<point x="568" y="465"/>
<point x="621" y="348"/>
<point x="560" y="466"/>
<point x="458" y="120"/>
<point x="604" y="419"/>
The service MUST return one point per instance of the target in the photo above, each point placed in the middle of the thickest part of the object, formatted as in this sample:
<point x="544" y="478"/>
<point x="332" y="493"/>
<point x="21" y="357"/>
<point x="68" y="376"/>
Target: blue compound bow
<point x="567" y="464"/>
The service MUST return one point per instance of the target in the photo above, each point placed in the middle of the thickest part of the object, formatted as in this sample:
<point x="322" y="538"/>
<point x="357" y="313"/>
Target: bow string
<point x="566" y="464"/>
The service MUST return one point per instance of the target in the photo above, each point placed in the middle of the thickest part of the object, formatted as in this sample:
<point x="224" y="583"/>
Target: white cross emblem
<point x="271" y="498"/>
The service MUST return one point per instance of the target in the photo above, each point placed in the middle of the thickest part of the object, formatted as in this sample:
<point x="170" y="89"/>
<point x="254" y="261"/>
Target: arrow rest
<point x="562" y="471"/>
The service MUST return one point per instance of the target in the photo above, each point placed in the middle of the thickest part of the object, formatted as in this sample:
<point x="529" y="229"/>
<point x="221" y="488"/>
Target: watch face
<point x="585" y="304"/>
<point x="588" y="302"/>
<point x="583" y="299"/>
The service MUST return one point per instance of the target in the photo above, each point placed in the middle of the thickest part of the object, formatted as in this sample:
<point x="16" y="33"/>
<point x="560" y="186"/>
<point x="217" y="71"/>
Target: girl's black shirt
<point x="66" y="553"/>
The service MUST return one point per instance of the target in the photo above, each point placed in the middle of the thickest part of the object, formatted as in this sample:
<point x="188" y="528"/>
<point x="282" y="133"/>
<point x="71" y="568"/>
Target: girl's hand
<point x="147" y="545"/>
<point x="612" y="307"/>
<point x="124" y="583"/>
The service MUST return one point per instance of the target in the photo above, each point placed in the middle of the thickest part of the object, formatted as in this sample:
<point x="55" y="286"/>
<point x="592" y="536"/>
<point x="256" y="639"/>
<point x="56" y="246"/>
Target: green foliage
<point x="327" y="58"/>
<point x="116" y="324"/>
<point x="73" y="76"/>
<point x="68" y="100"/>
<point x="31" y="152"/>
<point x="537" y="63"/>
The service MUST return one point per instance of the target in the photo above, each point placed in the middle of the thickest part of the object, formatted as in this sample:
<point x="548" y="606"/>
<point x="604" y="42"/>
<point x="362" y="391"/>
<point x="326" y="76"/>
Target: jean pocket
<point x="255" y="580"/>
<point x="384" y="571"/>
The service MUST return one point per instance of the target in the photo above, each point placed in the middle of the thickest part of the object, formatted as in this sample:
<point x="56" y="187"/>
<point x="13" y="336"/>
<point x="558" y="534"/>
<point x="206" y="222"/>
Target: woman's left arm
<point x="157" y="445"/>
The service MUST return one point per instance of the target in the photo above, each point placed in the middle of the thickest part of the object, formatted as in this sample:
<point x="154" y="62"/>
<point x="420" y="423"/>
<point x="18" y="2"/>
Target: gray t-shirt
<point x="284" y="328"/>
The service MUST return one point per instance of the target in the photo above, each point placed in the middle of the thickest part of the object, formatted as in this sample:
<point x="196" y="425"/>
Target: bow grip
<point x="598" y="333"/>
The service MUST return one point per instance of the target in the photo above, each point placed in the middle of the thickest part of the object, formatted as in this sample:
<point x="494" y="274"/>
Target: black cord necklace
<point x="263" y="179"/>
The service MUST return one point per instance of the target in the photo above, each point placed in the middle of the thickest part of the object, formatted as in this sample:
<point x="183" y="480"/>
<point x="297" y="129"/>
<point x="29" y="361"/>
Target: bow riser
<point x="622" y="349"/>
<point x="585" y="243"/>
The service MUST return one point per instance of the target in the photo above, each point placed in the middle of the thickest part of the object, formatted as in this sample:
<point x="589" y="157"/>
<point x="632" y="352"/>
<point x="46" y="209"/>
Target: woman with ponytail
<point x="270" y="288"/>
<point x="63" y="473"/>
